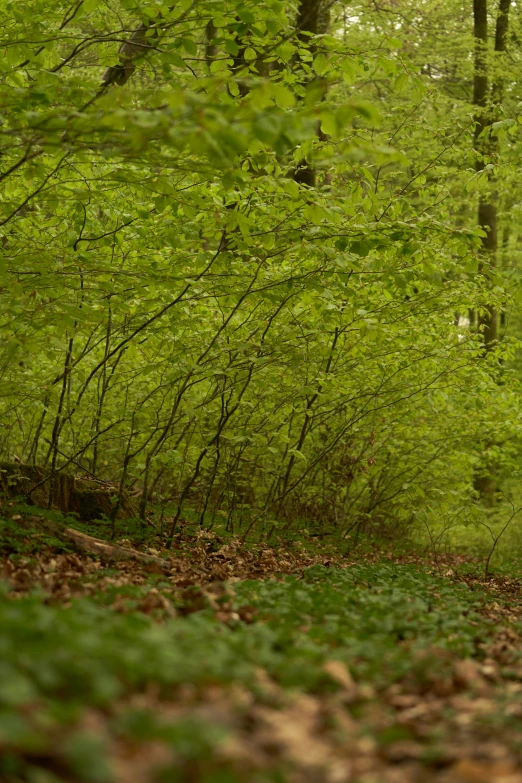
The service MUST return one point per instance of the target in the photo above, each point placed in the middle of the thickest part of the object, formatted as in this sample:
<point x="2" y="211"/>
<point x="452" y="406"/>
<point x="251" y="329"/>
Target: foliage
<point x="244" y="285"/>
<point x="184" y="316"/>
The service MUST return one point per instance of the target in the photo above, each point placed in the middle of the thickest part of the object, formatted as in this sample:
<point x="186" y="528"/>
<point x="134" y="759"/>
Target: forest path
<point x="235" y="665"/>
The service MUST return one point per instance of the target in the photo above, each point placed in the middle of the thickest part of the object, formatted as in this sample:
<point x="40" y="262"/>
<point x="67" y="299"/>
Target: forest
<point x="260" y="391"/>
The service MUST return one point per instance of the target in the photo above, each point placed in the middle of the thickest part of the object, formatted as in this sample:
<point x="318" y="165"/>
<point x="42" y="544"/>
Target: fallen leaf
<point x="338" y="671"/>
<point x="470" y="771"/>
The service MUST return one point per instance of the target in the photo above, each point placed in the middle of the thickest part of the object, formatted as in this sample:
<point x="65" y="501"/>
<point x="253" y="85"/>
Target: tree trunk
<point x="487" y="213"/>
<point x="487" y="102"/>
<point x="307" y="27"/>
<point x="487" y="111"/>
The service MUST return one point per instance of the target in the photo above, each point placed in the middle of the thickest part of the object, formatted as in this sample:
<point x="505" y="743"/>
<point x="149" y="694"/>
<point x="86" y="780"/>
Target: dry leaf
<point x="466" y="673"/>
<point x="338" y="671"/>
<point x="469" y="771"/>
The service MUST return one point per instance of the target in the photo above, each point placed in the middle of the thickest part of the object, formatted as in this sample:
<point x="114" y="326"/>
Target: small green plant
<point x="375" y="619"/>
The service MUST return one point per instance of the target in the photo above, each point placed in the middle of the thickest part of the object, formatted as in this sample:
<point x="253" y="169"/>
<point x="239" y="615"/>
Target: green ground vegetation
<point x="98" y="667"/>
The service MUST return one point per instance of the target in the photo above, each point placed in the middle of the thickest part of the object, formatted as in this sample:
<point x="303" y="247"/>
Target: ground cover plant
<point x="234" y="664"/>
<point x="260" y="391"/>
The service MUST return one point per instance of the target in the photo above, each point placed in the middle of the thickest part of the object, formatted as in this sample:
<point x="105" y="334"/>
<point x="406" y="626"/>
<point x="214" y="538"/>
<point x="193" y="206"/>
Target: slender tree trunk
<point x="487" y="213"/>
<point x="487" y="111"/>
<point x="307" y="26"/>
<point x="33" y="454"/>
<point x="103" y="386"/>
<point x="504" y="263"/>
<point x="136" y="47"/>
<point x="487" y="102"/>
<point x="58" y="423"/>
<point x="210" y="46"/>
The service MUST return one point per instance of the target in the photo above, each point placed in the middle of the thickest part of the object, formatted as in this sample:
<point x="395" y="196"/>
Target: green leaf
<point x="360" y="248"/>
<point x="283" y="96"/>
<point x="320" y="64"/>
<point x="401" y="83"/>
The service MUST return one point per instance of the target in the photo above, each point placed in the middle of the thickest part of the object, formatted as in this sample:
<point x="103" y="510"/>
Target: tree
<point x="188" y="319"/>
<point x="488" y="90"/>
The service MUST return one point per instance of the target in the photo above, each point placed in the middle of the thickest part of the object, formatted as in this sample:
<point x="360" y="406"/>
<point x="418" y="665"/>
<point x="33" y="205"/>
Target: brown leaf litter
<point x="210" y="562"/>
<point x="459" y="723"/>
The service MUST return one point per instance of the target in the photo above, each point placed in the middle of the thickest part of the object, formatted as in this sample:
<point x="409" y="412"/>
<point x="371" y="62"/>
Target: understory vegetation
<point x="260" y="391"/>
<point x="260" y="260"/>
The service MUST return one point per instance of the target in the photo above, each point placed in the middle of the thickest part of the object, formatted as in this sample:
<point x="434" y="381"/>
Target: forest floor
<point x="221" y="663"/>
